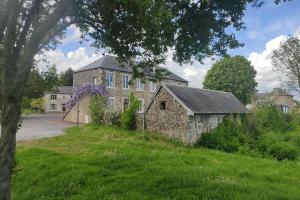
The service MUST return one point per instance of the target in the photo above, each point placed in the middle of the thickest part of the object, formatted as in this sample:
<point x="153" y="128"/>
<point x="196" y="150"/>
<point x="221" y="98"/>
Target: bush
<point x="37" y="104"/>
<point x="283" y="151"/>
<point x="228" y="137"/>
<point x="26" y="103"/>
<point x="97" y="108"/>
<point x="269" y="118"/>
<point x="273" y="144"/>
<point x="128" y="117"/>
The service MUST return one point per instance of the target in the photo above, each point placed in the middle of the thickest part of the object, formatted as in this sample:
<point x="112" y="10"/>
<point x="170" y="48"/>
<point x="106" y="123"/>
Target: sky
<point x="267" y="27"/>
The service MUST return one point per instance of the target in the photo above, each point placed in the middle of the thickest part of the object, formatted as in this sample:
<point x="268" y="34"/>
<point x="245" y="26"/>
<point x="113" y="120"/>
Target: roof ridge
<point x="197" y="88"/>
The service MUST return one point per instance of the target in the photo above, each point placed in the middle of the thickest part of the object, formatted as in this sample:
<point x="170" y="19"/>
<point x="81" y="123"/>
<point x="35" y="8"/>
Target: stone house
<point x="55" y="100"/>
<point x="116" y="77"/>
<point x="281" y="98"/>
<point x="185" y="113"/>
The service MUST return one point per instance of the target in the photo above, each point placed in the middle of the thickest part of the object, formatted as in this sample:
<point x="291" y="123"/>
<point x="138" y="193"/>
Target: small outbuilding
<point x="184" y="113"/>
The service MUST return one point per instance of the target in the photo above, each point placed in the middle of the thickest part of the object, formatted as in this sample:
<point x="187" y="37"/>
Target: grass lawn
<point x="110" y="163"/>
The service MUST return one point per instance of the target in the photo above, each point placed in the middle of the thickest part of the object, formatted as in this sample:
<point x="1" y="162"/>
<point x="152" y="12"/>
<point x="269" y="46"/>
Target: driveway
<point x="38" y="126"/>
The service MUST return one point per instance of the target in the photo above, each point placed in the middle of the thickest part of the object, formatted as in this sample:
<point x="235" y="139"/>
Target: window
<point x="53" y="107"/>
<point x="139" y="85"/>
<point x="53" y="96"/>
<point x="152" y="86"/>
<point x="163" y="105"/>
<point x="111" y="101"/>
<point x="125" y="81"/>
<point x="109" y="79"/>
<point x="94" y="81"/>
<point x="125" y="103"/>
<point x="141" y="106"/>
<point x="63" y="107"/>
<point x="284" y="109"/>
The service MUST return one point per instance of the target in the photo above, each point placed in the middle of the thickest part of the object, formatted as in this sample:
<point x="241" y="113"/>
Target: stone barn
<point x="184" y="113"/>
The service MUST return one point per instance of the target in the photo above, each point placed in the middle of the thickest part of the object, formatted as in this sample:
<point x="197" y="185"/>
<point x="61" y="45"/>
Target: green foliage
<point x="66" y="77"/>
<point x="35" y="86"/>
<point x="100" y="162"/>
<point x="228" y="137"/>
<point x="265" y="132"/>
<point x="97" y="108"/>
<point x="38" y="104"/>
<point x="269" y="118"/>
<point x="26" y="103"/>
<point x="51" y="78"/>
<point x="272" y="144"/>
<point x="232" y="74"/>
<point x="128" y="116"/>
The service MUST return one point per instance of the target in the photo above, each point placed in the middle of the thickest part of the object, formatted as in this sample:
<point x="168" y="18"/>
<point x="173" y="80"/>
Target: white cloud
<point x="73" y="35"/>
<point x="74" y="59"/>
<point x="266" y="77"/>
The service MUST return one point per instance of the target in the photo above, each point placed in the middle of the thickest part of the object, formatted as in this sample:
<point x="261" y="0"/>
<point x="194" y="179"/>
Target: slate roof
<point x="111" y="63"/>
<point x="202" y="101"/>
<point x="65" y="90"/>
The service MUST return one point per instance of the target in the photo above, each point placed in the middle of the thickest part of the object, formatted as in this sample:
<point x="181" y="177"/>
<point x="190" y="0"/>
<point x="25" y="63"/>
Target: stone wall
<point x="172" y="122"/>
<point x="117" y="92"/>
<point x="202" y="123"/>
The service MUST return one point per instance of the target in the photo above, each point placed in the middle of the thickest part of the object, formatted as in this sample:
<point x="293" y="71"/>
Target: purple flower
<point x="85" y="89"/>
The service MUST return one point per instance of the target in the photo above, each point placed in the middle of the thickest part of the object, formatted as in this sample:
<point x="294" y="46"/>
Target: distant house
<point x="185" y="113"/>
<point x="281" y="98"/>
<point x="116" y="77"/>
<point x="55" y="101"/>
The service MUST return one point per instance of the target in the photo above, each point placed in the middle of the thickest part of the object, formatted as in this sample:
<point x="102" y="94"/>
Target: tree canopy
<point x="286" y="59"/>
<point x="232" y="74"/>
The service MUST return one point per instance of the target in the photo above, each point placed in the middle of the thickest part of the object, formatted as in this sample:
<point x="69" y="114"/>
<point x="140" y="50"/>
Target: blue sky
<point x="266" y="28"/>
<point x="266" y="23"/>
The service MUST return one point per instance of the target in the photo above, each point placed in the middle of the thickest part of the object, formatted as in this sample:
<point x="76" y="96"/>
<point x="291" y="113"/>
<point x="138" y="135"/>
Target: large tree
<point x="66" y="77"/>
<point x="142" y="30"/>
<point x="232" y="74"/>
<point x="286" y="60"/>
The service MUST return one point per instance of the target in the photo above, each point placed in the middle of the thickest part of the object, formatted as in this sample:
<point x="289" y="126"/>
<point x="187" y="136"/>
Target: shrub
<point x="273" y="144"/>
<point x="97" y="108"/>
<point x="283" y="151"/>
<point x="269" y="118"/>
<point x="128" y="117"/>
<point x="228" y="137"/>
<point x="26" y="103"/>
<point x="37" y="104"/>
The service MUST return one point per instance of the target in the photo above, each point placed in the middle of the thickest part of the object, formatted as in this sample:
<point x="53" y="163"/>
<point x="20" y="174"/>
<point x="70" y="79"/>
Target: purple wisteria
<point x="86" y="89"/>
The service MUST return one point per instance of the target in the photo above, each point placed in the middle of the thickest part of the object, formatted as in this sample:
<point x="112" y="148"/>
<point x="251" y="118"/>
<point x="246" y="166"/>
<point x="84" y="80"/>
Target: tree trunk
<point x="10" y="116"/>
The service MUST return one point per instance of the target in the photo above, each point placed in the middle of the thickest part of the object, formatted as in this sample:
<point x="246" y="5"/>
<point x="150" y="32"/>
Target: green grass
<point x="110" y="163"/>
<point x="28" y="111"/>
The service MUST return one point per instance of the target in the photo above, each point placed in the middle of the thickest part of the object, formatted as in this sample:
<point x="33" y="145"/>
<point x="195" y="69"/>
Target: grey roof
<point x="111" y="63"/>
<point x="202" y="101"/>
<point x="65" y="90"/>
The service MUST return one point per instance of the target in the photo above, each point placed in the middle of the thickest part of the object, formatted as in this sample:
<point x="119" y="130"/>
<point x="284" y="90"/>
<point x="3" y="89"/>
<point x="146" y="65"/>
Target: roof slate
<point x="111" y="63"/>
<point x="202" y="101"/>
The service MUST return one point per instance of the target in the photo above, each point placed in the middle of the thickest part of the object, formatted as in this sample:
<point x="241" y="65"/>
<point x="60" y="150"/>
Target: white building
<point x="55" y="101"/>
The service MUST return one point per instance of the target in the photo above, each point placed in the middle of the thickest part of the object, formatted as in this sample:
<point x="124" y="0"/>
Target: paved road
<point x="42" y="125"/>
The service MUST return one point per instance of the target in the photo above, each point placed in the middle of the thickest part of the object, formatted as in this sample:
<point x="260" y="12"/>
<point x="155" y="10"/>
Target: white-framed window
<point x="109" y="79"/>
<point x="53" y="96"/>
<point x="94" y="81"/>
<point x="139" y="85"/>
<point x="285" y="109"/>
<point x="125" y="103"/>
<point x="125" y="81"/>
<point x="141" y="106"/>
<point x="53" y="107"/>
<point x="111" y="102"/>
<point x="152" y="86"/>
